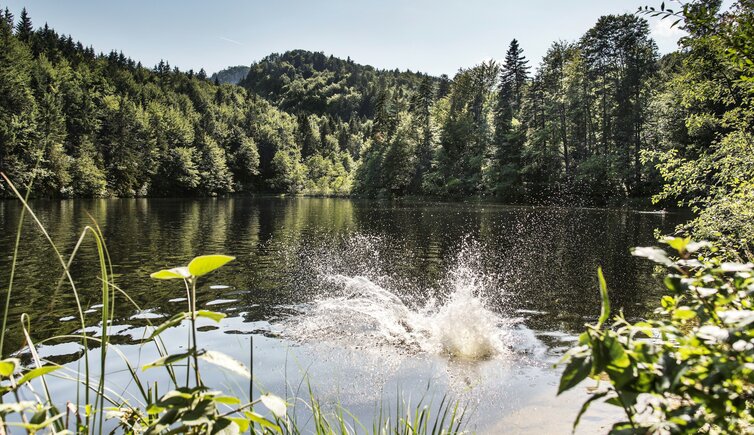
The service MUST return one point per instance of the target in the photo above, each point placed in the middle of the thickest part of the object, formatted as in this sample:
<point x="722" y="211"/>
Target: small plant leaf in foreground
<point x="205" y="264"/>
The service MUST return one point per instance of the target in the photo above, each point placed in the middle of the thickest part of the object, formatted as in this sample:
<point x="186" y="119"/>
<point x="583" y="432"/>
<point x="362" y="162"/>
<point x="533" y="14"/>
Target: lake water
<point x="368" y="302"/>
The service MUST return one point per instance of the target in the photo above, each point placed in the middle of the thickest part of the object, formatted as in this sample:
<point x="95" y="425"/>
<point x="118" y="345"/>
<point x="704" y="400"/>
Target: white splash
<point x="359" y="312"/>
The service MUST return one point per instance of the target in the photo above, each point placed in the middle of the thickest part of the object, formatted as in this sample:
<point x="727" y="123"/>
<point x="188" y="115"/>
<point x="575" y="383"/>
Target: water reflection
<point x="544" y="258"/>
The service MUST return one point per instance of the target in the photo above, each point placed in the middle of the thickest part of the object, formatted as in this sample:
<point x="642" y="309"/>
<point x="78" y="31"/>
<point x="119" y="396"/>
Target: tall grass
<point x="184" y="407"/>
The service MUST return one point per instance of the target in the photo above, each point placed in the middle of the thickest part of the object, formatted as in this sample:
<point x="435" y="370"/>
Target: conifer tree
<point x="515" y="73"/>
<point x="8" y="17"/>
<point x="24" y="27"/>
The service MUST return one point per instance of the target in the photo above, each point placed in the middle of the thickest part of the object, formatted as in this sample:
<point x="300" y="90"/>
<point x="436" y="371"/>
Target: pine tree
<point x="24" y="27"/>
<point x="515" y="73"/>
<point x="443" y="88"/>
<point x="8" y="17"/>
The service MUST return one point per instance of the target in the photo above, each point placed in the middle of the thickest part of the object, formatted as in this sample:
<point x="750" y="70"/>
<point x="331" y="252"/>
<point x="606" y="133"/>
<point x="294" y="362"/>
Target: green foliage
<point x="577" y="127"/>
<point x="706" y="159"/>
<point x="690" y="368"/>
<point x="301" y="81"/>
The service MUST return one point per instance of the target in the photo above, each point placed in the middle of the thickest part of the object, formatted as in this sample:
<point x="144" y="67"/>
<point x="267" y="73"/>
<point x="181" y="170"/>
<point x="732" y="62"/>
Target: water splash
<point x="365" y="307"/>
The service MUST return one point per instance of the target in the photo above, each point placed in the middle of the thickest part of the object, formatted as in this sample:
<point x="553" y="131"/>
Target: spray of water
<point x="359" y="306"/>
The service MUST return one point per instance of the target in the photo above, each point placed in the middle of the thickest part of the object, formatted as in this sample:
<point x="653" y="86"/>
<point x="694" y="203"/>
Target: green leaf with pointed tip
<point x="8" y="366"/>
<point x="605" y="310"/>
<point x="166" y="360"/>
<point x="174" y="273"/>
<point x="256" y="418"/>
<point x="243" y="424"/>
<point x="211" y="315"/>
<point x="205" y="264"/>
<point x="37" y="372"/>
<point x="677" y="243"/>
<point x="576" y="371"/>
<point x="684" y="313"/>
<point x="227" y="400"/>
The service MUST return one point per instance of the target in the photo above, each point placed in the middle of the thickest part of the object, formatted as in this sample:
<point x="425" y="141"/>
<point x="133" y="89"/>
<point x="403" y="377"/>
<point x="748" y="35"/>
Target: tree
<point x="215" y="177"/>
<point x="177" y="174"/>
<point x="621" y="60"/>
<point x="515" y="73"/>
<point x="17" y="108"/>
<point x="400" y="159"/>
<point x="243" y="159"/>
<point x="87" y="177"/>
<point x="708" y="164"/>
<point x="51" y="174"/>
<point x="24" y="28"/>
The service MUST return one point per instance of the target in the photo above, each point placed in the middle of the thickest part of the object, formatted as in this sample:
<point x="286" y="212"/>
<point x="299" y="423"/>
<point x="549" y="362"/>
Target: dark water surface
<point x="363" y="298"/>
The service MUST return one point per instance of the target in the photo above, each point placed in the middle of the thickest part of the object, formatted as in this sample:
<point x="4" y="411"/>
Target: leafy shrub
<point x="691" y="368"/>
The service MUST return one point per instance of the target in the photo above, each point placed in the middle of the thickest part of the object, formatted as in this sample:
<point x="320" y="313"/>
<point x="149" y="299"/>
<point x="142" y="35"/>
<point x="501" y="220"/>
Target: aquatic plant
<point x="691" y="368"/>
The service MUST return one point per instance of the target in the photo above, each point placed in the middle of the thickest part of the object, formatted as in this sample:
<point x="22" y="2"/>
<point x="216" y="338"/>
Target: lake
<point x="369" y="302"/>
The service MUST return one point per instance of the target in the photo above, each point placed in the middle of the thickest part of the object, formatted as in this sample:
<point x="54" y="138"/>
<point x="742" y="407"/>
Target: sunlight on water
<point x="366" y="308"/>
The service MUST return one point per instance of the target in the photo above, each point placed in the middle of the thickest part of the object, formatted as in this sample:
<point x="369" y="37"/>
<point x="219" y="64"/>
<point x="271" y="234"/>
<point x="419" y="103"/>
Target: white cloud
<point x="666" y="36"/>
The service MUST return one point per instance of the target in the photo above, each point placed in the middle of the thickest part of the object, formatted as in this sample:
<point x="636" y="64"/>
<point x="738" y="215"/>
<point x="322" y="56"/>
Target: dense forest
<point x="599" y="120"/>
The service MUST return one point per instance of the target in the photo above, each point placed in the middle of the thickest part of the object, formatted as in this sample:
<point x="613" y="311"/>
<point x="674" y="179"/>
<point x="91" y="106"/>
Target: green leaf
<point x="242" y="423"/>
<point x="35" y="373"/>
<point x="585" y="406"/>
<point x="227" y="400"/>
<point x="205" y="264"/>
<point x="258" y="419"/>
<point x="618" y="364"/>
<point x="8" y="366"/>
<point x="217" y="317"/>
<point x="174" y="273"/>
<point x="605" y="310"/>
<point x="678" y="243"/>
<point x="577" y="370"/>
<point x="684" y="313"/>
<point x="173" y="321"/>
<point x="169" y="359"/>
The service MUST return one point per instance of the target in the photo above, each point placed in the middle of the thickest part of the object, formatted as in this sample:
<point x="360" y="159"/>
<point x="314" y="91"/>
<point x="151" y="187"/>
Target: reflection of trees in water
<point x="544" y="258"/>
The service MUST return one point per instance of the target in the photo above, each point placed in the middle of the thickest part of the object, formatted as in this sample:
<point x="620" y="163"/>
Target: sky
<point x="432" y="36"/>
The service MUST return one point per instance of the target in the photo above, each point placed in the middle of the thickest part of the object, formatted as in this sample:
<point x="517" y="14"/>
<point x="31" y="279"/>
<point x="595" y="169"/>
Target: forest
<point x="601" y="120"/>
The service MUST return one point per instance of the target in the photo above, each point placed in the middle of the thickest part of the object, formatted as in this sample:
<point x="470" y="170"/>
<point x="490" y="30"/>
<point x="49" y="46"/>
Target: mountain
<point x="301" y="81"/>
<point x="231" y="75"/>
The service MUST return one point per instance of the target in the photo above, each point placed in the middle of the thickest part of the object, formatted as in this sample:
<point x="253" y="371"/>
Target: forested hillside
<point x="572" y="128"/>
<point x="598" y="120"/>
<point x="83" y="124"/>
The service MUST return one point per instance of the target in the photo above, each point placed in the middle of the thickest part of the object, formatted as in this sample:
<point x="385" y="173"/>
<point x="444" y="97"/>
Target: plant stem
<point x="193" y="331"/>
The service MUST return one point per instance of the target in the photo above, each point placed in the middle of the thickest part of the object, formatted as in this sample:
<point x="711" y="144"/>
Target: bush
<point x="690" y="369"/>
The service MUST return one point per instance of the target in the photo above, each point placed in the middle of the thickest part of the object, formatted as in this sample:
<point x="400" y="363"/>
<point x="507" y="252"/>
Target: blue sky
<point x="434" y="36"/>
